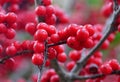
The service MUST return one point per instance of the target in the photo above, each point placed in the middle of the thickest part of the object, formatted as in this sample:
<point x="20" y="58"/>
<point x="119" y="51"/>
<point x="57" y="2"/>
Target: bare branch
<point x="45" y="59"/>
<point x="61" y="72"/>
<point x="55" y="44"/>
<point x="17" y="54"/>
<point x="76" y="77"/>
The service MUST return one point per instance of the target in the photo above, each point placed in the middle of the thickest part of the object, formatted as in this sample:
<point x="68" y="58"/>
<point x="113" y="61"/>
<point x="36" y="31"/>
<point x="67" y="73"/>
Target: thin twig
<point x="17" y="54"/>
<point x="45" y="59"/>
<point x="56" y="44"/>
<point x="76" y="77"/>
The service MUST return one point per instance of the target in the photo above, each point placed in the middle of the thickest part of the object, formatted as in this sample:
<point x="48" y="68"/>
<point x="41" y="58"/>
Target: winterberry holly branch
<point x="109" y="28"/>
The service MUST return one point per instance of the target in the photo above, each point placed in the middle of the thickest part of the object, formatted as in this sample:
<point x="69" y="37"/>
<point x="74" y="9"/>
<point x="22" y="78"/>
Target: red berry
<point x="74" y="55"/>
<point x="105" y="44"/>
<point x="17" y="45"/>
<point x="114" y="64"/>
<point x="70" y="65"/>
<point x="111" y="37"/>
<point x="73" y="43"/>
<point x="51" y="30"/>
<point x="31" y="28"/>
<point x="52" y="53"/>
<point x="42" y="25"/>
<point x="119" y="28"/>
<point x="1" y="49"/>
<point x="37" y="59"/>
<point x="82" y="35"/>
<point x="63" y="35"/>
<point x="50" y="19"/>
<point x="25" y="44"/>
<point x="50" y="10"/>
<point x="2" y="17"/>
<point x="59" y="48"/>
<point x="41" y="35"/>
<point x="38" y="47"/>
<point x="55" y="38"/>
<point x="3" y="28"/>
<point x="11" y="50"/>
<point x="88" y="43"/>
<point x="106" y="69"/>
<point x="62" y="57"/>
<point x="10" y="33"/>
<point x="98" y="54"/>
<point x="107" y="9"/>
<point x="40" y="10"/>
<point x="72" y="29"/>
<point x="14" y="7"/>
<point x="47" y="2"/>
<point x="90" y="29"/>
<point x="50" y="73"/>
<point x="47" y="63"/>
<point x="54" y="78"/>
<point x="11" y="17"/>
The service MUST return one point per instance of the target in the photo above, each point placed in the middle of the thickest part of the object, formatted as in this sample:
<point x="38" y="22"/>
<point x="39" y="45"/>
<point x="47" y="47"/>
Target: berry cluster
<point x="8" y="24"/>
<point x="47" y="13"/>
<point x="47" y="41"/>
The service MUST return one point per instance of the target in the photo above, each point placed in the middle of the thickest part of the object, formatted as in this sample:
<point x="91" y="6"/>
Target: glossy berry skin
<point x="11" y="50"/>
<point x="40" y="10"/>
<point x="10" y="34"/>
<point x="47" y="2"/>
<point x="30" y="28"/>
<point x="50" y="19"/>
<point x="70" y="65"/>
<point x="54" y="78"/>
<point x="1" y="49"/>
<point x="62" y="57"/>
<point x="107" y="9"/>
<point x="52" y="53"/>
<point x="106" y="69"/>
<point x="105" y="44"/>
<point x="2" y="17"/>
<point x="55" y="38"/>
<point x="42" y="25"/>
<point x="41" y="35"/>
<point x="37" y="59"/>
<point x="50" y="73"/>
<point x="74" y="55"/>
<point x="3" y="28"/>
<point x="11" y="18"/>
<point x="38" y="47"/>
<point x="88" y="43"/>
<point x="73" y="43"/>
<point x="114" y="64"/>
<point x="82" y="35"/>
<point x="50" y="10"/>
<point x="90" y="29"/>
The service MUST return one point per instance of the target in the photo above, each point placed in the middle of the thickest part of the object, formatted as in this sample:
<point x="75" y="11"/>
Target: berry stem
<point x="109" y="27"/>
<point x="17" y="54"/>
<point x="56" y="44"/>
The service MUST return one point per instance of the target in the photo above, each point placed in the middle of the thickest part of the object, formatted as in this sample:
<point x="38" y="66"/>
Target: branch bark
<point x="76" y="77"/>
<point x="17" y="54"/>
